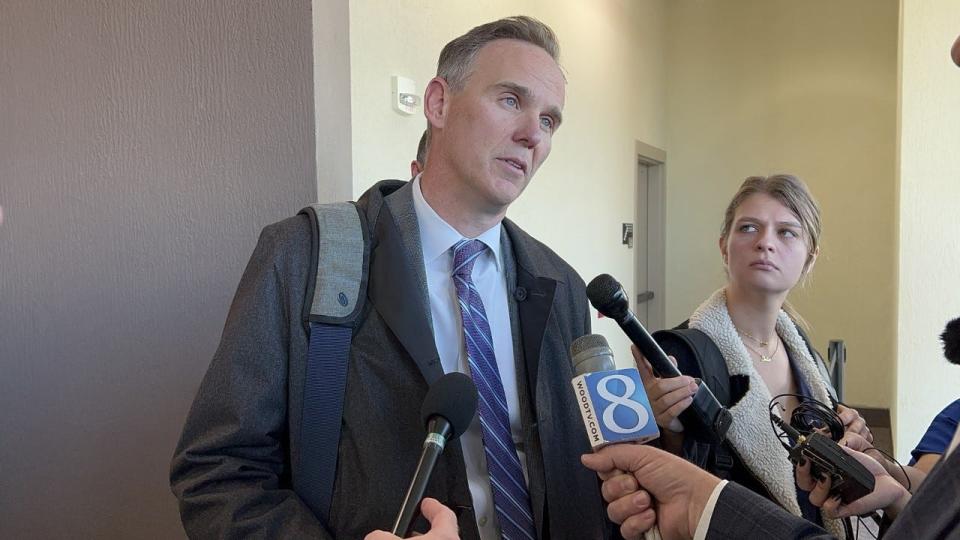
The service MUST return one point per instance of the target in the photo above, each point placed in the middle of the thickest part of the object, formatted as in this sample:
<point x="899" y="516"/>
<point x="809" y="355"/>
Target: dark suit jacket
<point x="933" y="512"/>
<point x="236" y="465"/>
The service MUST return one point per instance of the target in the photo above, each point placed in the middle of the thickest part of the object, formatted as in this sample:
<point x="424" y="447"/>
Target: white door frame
<point x="655" y="160"/>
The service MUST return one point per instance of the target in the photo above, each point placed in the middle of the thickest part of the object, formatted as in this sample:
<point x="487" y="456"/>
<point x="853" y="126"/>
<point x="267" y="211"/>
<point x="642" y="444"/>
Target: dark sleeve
<point x="741" y="514"/>
<point x="230" y="471"/>
<point x="934" y="510"/>
<point x="938" y="435"/>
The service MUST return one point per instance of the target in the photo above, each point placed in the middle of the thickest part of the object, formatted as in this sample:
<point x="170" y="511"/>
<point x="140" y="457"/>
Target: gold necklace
<point x="751" y="336"/>
<point x="763" y="357"/>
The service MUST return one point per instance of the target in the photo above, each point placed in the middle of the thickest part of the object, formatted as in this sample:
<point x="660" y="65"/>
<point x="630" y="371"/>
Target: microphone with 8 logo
<point x="612" y="402"/>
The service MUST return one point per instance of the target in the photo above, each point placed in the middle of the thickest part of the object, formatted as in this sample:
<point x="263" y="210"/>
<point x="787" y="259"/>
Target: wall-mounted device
<point x="404" y="95"/>
<point x="627" y="235"/>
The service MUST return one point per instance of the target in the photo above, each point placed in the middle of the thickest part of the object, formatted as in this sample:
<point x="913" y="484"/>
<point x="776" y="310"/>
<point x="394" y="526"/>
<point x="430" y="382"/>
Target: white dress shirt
<point x="437" y="238"/>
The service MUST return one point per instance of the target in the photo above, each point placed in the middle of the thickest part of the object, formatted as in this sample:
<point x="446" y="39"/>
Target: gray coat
<point x="237" y="459"/>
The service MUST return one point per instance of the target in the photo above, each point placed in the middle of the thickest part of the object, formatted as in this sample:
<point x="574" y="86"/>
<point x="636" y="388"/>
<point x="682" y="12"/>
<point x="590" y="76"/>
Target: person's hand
<point x="856" y="442"/>
<point x="668" y="397"/>
<point x="887" y="494"/>
<point x="679" y="488"/>
<point x="631" y="507"/>
<point x="909" y="476"/>
<point x="443" y="523"/>
<point x="853" y="422"/>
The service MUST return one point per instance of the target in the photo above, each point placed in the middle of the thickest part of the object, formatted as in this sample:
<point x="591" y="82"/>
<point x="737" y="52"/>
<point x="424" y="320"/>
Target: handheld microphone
<point x="447" y="412"/>
<point x="612" y="402"/>
<point x="608" y="297"/>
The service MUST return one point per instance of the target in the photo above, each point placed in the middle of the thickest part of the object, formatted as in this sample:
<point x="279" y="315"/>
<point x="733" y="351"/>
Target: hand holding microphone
<point x="443" y="523"/>
<point x="447" y="411"/>
<point x="608" y="297"/>
<point x="615" y="409"/>
<point x="668" y="396"/>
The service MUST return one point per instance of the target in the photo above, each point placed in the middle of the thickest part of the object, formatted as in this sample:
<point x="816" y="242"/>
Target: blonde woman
<point x="768" y="243"/>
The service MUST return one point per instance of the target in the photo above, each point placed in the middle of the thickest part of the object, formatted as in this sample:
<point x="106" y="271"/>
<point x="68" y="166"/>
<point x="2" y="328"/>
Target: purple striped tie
<point x="506" y="476"/>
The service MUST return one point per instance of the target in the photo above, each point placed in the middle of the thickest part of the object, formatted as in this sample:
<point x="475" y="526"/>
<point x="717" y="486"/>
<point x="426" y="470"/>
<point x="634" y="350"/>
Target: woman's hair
<point x="789" y="191"/>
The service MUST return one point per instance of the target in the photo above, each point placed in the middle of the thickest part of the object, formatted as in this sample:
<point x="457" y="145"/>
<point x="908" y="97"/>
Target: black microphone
<point x="608" y="297"/>
<point x="447" y="412"/>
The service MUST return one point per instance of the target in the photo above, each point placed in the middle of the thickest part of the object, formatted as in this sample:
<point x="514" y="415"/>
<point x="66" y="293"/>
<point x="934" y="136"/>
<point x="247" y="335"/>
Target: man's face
<point x="499" y="126"/>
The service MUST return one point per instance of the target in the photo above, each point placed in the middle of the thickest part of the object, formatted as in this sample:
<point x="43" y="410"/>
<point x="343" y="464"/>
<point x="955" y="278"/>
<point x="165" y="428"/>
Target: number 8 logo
<point x="615" y="401"/>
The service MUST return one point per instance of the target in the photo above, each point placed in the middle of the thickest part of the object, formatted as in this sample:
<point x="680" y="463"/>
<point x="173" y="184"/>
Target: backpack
<point x="696" y="352"/>
<point x="333" y="308"/>
<point x="694" y="349"/>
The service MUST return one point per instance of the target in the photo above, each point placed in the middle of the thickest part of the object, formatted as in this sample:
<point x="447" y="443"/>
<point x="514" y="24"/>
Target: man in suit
<point x="647" y="487"/>
<point x="453" y="286"/>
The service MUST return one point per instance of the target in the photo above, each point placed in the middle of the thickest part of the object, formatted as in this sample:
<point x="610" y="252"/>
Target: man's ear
<point x="436" y="102"/>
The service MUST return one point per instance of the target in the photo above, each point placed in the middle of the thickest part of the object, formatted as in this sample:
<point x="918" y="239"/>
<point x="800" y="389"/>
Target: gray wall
<point x="142" y="147"/>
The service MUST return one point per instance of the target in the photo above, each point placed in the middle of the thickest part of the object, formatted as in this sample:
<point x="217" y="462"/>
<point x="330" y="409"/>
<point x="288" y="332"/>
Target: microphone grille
<point x="602" y="289"/>
<point x="454" y="397"/>
<point x="589" y="341"/>
<point x="591" y="353"/>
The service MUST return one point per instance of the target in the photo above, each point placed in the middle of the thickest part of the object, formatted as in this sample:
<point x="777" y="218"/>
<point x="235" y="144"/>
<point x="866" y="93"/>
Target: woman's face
<point x="765" y="249"/>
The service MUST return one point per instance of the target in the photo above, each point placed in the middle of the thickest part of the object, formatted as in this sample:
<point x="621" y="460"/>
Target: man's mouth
<point x="516" y="164"/>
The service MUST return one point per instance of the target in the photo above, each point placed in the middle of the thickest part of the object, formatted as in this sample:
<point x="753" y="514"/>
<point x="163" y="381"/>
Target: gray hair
<point x="457" y="57"/>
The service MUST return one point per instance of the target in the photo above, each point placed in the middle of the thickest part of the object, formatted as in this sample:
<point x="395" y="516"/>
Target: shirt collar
<point x="437" y="236"/>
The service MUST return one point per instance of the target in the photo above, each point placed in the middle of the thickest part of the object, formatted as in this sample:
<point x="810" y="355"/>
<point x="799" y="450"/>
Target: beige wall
<point x="613" y="55"/>
<point x="331" y="99"/>
<point x="929" y="227"/>
<point x="758" y="87"/>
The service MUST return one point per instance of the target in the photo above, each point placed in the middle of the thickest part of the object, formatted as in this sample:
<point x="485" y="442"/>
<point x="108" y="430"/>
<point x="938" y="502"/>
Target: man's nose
<point x="529" y="132"/>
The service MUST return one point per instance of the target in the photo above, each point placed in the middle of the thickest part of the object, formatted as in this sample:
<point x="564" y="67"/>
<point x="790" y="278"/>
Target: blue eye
<point x="790" y="233"/>
<point x="748" y="227"/>
<point x="511" y="102"/>
<point x="546" y="123"/>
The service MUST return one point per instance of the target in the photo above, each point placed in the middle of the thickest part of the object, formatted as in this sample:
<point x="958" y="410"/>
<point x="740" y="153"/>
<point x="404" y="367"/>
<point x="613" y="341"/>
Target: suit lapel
<point x="398" y="284"/>
<point x="533" y="295"/>
<point x="531" y="301"/>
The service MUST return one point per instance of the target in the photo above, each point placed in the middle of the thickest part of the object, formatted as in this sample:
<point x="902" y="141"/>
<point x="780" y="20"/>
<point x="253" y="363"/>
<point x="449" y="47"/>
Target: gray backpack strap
<point x="339" y="255"/>
<point x="334" y="301"/>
